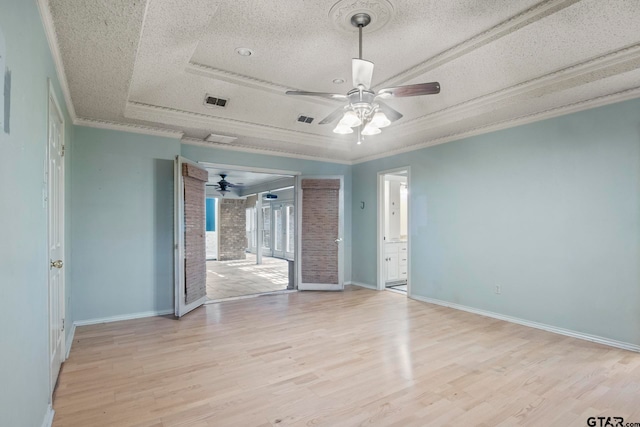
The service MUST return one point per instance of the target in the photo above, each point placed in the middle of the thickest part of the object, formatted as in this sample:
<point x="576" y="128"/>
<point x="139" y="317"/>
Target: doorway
<point x="252" y="226"/>
<point x="56" y="246"/>
<point x="393" y="231"/>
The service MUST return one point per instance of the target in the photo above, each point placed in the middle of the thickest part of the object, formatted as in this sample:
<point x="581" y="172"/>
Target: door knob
<point x="338" y="240"/>
<point x="56" y="264"/>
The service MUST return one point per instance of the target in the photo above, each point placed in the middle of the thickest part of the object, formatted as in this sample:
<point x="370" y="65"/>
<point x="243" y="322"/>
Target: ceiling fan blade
<point x="362" y="72"/>
<point x="410" y="90"/>
<point x="391" y="114"/>
<point x="335" y="96"/>
<point x="333" y="116"/>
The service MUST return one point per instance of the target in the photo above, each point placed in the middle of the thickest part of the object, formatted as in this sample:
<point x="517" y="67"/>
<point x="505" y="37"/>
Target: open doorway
<point x="250" y="226"/>
<point x="393" y="230"/>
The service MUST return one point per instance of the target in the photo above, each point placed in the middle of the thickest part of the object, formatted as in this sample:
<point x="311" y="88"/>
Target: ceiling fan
<point x="365" y="110"/>
<point x="223" y="185"/>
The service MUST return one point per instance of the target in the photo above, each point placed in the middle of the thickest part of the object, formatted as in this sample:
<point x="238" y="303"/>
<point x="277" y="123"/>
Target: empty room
<point x="319" y="212"/>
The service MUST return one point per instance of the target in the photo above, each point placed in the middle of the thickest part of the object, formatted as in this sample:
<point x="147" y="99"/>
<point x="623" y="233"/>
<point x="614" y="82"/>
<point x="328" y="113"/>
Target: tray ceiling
<point x="149" y="64"/>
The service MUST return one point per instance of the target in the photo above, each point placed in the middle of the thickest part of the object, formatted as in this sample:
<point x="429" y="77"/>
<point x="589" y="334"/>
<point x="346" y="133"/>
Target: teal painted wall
<point x="550" y="211"/>
<point x="122" y="231"/>
<point x="24" y="369"/>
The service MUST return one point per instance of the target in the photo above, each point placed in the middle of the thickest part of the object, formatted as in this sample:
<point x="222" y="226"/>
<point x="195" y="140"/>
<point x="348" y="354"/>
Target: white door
<point x="321" y="229"/>
<point x="278" y="228"/>
<point x="190" y="236"/>
<point x="55" y="203"/>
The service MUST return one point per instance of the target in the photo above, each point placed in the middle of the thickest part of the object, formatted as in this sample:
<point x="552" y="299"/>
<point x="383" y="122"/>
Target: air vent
<point x="305" y="119"/>
<point x="224" y="139"/>
<point x="213" y="101"/>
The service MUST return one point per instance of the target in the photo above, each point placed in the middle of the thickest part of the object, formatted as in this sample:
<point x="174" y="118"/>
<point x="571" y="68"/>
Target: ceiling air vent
<point x="305" y="119"/>
<point x="212" y="101"/>
<point x="224" y="139"/>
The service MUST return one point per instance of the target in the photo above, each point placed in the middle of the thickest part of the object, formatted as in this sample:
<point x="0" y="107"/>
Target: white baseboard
<point x="48" y="417"/>
<point x="69" y="340"/>
<point x="362" y="285"/>
<point x="123" y="317"/>
<point x="544" y="327"/>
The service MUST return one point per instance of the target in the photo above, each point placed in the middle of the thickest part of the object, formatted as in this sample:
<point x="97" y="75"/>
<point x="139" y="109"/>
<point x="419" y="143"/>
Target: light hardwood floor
<point x="353" y="358"/>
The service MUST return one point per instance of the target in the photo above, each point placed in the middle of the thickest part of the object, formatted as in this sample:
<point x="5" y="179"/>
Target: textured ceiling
<point x="150" y="63"/>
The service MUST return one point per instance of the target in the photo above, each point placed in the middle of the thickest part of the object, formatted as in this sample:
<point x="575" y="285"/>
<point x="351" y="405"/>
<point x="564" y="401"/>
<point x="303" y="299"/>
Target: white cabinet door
<point x="393" y="272"/>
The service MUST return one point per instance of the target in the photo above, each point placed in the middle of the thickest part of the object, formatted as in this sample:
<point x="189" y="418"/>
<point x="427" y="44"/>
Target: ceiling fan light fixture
<point x="350" y="119"/>
<point x="380" y="120"/>
<point x="342" y="129"/>
<point x="370" y="129"/>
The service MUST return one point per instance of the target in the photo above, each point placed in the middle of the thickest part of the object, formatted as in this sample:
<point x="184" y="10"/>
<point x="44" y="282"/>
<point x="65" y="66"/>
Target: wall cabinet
<point x="395" y="257"/>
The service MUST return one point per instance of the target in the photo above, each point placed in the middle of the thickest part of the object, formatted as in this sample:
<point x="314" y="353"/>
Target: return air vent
<point x="305" y="119"/>
<point x="212" y="101"/>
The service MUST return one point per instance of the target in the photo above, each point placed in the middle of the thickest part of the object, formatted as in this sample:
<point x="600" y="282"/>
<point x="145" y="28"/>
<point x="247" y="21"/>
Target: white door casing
<point x="55" y="225"/>
<point x="183" y="302"/>
<point x="320" y="255"/>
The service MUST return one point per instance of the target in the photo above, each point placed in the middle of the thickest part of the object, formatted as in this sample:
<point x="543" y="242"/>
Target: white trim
<point x="52" y="39"/>
<point x="554" y="329"/>
<point x="120" y="317"/>
<point x="241" y="297"/>
<point x="551" y="113"/>
<point x="183" y="118"/>
<point x="502" y="29"/>
<point x="362" y="285"/>
<point x="127" y="127"/>
<point x="248" y="169"/>
<point x="263" y="151"/>
<point x="69" y="341"/>
<point x="48" y="416"/>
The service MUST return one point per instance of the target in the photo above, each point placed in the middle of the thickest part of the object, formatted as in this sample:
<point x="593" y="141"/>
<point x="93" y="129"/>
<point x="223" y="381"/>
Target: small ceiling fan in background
<point x="223" y="185"/>
<point x="365" y="110"/>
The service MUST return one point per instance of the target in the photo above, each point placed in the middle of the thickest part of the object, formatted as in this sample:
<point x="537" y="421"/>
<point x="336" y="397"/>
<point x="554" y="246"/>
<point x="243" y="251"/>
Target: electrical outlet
<point x="498" y="289"/>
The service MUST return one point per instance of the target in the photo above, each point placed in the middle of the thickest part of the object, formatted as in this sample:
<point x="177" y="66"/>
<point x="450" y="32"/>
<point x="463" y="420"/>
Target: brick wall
<point x="194" y="233"/>
<point x="320" y="227"/>
<point x="233" y="231"/>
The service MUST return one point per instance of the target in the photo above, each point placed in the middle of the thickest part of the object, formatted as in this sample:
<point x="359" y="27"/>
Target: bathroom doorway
<point x="394" y="231"/>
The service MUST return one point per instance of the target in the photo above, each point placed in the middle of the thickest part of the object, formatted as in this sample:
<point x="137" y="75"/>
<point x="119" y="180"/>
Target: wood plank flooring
<point x="353" y="358"/>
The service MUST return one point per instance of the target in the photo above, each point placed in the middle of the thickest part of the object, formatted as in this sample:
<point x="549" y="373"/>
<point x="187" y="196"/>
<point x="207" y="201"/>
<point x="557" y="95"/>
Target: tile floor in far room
<point x="226" y="279"/>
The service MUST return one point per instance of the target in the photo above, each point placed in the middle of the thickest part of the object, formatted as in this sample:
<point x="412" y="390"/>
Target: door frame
<point x="298" y="237"/>
<point x="381" y="219"/>
<point x="52" y="99"/>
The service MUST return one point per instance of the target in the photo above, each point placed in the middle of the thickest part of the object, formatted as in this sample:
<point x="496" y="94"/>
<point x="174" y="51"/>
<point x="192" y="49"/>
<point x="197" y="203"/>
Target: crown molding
<point x="611" y="61"/>
<point x="263" y="151"/>
<point x="529" y="16"/>
<point x="158" y="114"/>
<point x="575" y="107"/>
<point x="128" y="127"/>
<point x="52" y="38"/>
<point x="247" y="81"/>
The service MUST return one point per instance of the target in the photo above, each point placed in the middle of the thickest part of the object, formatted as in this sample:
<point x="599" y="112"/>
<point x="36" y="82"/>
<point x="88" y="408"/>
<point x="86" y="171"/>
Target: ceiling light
<point x="350" y="119"/>
<point x="338" y="81"/>
<point x="370" y="129"/>
<point x="342" y="129"/>
<point x="380" y="120"/>
<point x="244" y="51"/>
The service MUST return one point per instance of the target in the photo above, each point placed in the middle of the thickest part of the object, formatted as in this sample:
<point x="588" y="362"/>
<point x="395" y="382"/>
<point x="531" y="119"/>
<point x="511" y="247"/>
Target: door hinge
<point x="63" y="324"/>
<point x="62" y="153"/>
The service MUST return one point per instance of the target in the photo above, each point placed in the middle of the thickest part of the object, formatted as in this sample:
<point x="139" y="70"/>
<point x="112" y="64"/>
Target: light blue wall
<point x="550" y="211"/>
<point x="306" y="167"/>
<point x="24" y="339"/>
<point x="122" y="232"/>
